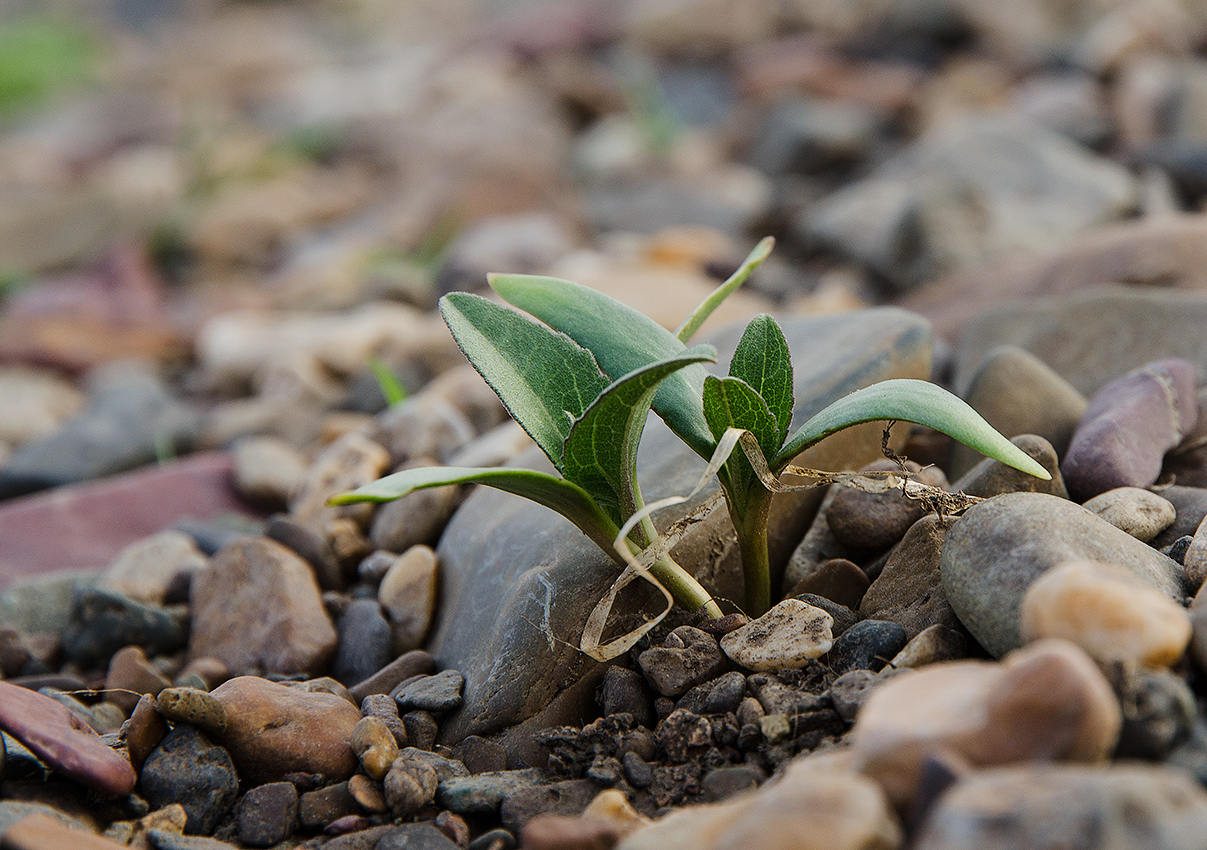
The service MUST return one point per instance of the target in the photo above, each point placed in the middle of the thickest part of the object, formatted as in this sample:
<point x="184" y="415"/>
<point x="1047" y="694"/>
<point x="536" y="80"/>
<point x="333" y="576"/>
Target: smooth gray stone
<point x="995" y="550"/>
<point x="518" y="581"/>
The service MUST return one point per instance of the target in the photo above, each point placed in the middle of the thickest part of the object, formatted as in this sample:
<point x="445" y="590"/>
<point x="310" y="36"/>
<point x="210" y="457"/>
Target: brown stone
<point x="130" y="676"/>
<point x="256" y="608"/>
<point x="41" y="832"/>
<point x="908" y="590"/>
<point x="273" y="730"/>
<point x="144" y="730"/>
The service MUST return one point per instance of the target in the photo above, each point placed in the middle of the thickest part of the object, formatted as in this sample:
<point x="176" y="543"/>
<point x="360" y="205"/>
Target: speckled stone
<point x="194" y="707"/>
<point x="687" y="657"/>
<point x="1141" y="513"/>
<point x="187" y="769"/>
<point x="787" y="637"/>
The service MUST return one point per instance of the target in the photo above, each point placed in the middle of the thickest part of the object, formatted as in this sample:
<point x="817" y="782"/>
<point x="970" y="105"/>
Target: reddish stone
<point x="85" y="526"/>
<point x="42" y="832"/>
<point x="64" y="741"/>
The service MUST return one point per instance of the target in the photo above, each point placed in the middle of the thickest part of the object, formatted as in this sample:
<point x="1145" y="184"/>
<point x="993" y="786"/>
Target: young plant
<point x="755" y="397"/>
<point x="588" y="425"/>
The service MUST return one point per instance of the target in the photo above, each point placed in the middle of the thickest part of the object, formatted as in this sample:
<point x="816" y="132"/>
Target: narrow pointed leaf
<point x="911" y="401"/>
<point x="600" y="454"/>
<point x="565" y="497"/>
<point x="545" y="379"/>
<point x="700" y="315"/>
<point x="763" y="361"/>
<point x="622" y="340"/>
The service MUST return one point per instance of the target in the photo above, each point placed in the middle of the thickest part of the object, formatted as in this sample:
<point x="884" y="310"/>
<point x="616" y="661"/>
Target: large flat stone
<point x="519" y="581"/>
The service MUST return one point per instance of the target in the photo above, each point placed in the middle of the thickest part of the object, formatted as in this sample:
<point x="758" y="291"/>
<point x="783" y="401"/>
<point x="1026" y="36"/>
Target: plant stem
<point x="752" y="541"/>
<point x="683" y="586"/>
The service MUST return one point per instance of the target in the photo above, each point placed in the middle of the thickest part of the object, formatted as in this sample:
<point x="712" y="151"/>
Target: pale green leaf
<point x="763" y="361"/>
<point x="730" y="402"/>
<point x="700" y="315"/>
<point x="911" y="401"/>
<point x="600" y="454"/>
<point x="622" y="340"/>
<point x="545" y="379"/>
<point x="565" y="497"/>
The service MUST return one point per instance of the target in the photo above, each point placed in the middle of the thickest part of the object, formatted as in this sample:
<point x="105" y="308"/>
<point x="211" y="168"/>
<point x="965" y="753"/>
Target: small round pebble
<point x="1140" y="513"/>
<point x="368" y="794"/>
<point x="374" y="745"/>
<point x="194" y="707"/>
<point x="268" y="814"/>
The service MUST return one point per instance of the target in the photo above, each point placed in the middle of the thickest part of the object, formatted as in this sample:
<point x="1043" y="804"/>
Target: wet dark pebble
<point x="415" y="836"/>
<point x="364" y="642"/>
<point x="102" y="622"/>
<point x="422" y="729"/>
<point x="267" y="814"/>
<point x="480" y="755"/>
<point x="441" y="692"/>
<point x="867" y="645"/>
<point x="187" y="769"/>
<point x="624" y="691"/>
<point x="1158" y="714"/>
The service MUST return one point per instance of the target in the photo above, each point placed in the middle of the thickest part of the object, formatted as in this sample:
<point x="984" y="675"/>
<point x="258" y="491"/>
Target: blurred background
<point x="240" y="214"/>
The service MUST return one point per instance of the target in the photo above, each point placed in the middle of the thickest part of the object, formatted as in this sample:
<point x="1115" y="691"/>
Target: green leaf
<point x="545" y="379"/>
<point x="622" y="340"/>
<point x="392" y="389"/>
<point x="600" y="453"/>
<point x="911" y="401"/>
<point x="565" y="497"/>
<point x="700" y="315"/>
<point x="763" y="361"/>
<point x="731" y="402"/>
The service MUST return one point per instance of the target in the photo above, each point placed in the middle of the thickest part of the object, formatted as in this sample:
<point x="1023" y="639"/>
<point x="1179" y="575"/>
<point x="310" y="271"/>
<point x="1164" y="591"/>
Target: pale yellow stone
<point x="1108" y="613"/>
<point x="785" y="638"/>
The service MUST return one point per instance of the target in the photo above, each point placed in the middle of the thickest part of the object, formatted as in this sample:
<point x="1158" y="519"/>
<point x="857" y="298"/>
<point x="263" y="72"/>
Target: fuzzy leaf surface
<point x="730" y="402"/>
<point x="916" y="401"/>
<point x="565" y="497"/>
<point x="700" y="315"/>
<point x="763" y="361"/>
<point x="622" y="340"/>
<point x="544" y="378"/>
<point x="600" y="454"/>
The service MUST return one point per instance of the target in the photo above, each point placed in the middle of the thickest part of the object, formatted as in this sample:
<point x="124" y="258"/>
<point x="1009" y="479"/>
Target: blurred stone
<point x="147" y="569"/>
<point x="36" y="403"/>
<point x="408" y="594"/>
<point x="268" y="470"/>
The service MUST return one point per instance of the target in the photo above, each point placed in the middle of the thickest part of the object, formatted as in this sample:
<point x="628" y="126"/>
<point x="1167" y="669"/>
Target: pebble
<point x="194" y="707"/>
<point x="483" y="793"/>
<point x="843" y="616"/>
<point x="63" y="741"/>
<point x="409" y="786"/>
<point x="446" y="768"/>
<point x="1045" y="701"/>
<point x="437" y="693"/>
<point x="1195" y="558"/>
<point x="1017" y="393"/>
<point x="415" y="836"/>
<point x="317" y="809"/>
<point x="802" y="135"/>
<point x="382" y="707"/>
<point x="568" y="797"/>
<point x="1141" y="513"/>
<point x="875" y="521"/>
<point x="147" y="569"/>
<point x="364" y="642"/>
<point x="1107" y="612"/>
<point x="997" y="548"/>
<point x="312" y="546"/>
<point x="256" y="608"/>
<point x="187" y="769"/>
<point x="480" y="755"/>
<point x="625" y="691"/>
<point x="268" y="470"/>
<point x="273" y="730"/>
<point x="909" y="589"/>
<point x="408" y="594"/>
<point x="422" y="729"/>
<point x="37" y="402"/>
<point x="686" y="658"/>
<point x="130" y="671"/>
<point x="867" y="645"/>
<point x="932" y="644"/>
<point x="144" y="730"/>
<point x="267" y="814"/>
<point x="1057" y="805"/>
<point x="1129" y="426"/>
<point x="429" y="426"/>
<point x="787" y="637"/>
<point x="837" y="579"/>
<point x="375" y="746"/>
<point x="42" y="832"/>
<point x="102" y="622"/>
<point x="368" y="794"/>
<point x="349" y="462"/>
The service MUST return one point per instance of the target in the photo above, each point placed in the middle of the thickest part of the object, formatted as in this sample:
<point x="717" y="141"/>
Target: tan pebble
<point x="775" y="727"/>
<point x="210" y="671"/>
<point x="131" y="675"/>
<point x="1046" y="701"/>
<point x="368" y="794"/>
<point x="144" y="730"/>
<point x="325" y="685"/>
<point x="932" y="644"/>
<point x="1107" y="612"/>
<point x="408" y="594"/>
<point x="613" y="806"/>
<point x="785" y="638"/>
<point x="194" y="707"/>
<point x="42" y="832"/>
<point x="409" y="786"/>
<point x="1141" y="513"/>
<point x="374" y="745"/>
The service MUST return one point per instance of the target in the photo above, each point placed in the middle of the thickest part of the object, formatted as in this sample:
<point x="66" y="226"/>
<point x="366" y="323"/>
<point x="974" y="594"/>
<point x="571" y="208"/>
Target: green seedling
<point x="588" y="425"/>
<point x="756" y="397"/>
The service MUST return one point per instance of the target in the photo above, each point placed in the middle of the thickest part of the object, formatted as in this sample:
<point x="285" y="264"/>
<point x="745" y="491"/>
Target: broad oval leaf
<point x="700" y="315"/>
<point x="622" y="340"/>
<point x="544" y="378"/>
<point x="565" y="497"/>
<point x="763" y="361"/>
<point x="731" y="402"/>
<point x="910" y="401"/>
<point x="600" y="454"/>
